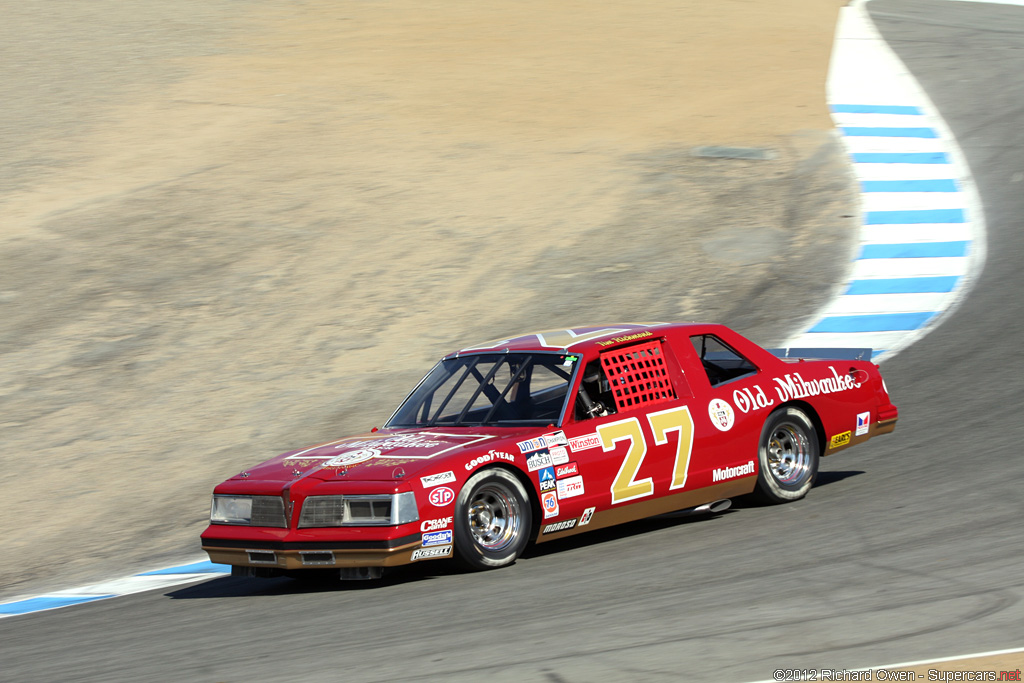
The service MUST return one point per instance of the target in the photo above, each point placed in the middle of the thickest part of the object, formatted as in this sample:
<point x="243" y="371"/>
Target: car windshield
<point x="493" y="388"/>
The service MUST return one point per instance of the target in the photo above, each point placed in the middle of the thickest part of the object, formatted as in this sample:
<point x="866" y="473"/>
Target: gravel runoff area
<point x="231" y="227"/>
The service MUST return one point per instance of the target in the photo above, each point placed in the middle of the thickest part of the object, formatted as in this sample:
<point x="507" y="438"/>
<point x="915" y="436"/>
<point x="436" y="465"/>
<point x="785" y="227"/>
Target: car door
<point x="631" y="433"/>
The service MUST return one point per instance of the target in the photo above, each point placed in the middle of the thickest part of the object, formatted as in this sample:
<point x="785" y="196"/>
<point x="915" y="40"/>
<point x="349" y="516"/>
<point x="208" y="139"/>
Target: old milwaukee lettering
<point x="795" y="386"/>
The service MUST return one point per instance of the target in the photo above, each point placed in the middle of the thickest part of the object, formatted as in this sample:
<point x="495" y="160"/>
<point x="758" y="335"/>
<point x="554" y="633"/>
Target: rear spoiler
<point x="822" y="354"/>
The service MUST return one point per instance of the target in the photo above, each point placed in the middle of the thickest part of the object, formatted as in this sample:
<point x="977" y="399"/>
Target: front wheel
<point x="787" y="456"/>
<point x="492" y="520"/>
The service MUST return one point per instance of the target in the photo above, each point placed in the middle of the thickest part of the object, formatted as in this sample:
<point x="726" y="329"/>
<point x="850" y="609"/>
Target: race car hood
<point x="383" y="455"/>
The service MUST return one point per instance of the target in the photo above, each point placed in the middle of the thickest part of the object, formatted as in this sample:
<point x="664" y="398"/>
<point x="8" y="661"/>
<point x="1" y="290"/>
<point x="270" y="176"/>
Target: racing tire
<point x="493" y="519"/>
<point x="787" y="454"/>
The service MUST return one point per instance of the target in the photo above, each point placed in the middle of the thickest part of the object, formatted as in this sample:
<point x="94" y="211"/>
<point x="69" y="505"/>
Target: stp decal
<point x="441" y="496"/>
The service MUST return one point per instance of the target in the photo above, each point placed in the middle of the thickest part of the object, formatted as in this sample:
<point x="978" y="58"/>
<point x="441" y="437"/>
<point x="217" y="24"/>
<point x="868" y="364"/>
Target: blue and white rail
<point x="922" y="234"/>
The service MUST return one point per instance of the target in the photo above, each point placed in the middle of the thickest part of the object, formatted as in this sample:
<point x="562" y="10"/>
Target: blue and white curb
<point x="922" y="237"/>
<point x="147" y="581"/>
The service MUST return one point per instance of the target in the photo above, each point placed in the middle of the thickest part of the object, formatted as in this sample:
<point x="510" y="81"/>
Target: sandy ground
<point x="231" y="228"/>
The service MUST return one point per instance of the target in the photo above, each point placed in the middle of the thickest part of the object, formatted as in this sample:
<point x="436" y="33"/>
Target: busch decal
<point x="538" y="460"/>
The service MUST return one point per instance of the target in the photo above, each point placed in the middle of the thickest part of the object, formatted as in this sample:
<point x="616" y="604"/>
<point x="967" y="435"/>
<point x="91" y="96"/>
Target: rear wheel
<point x="787" y="456"/>
<point x="492" y="520"/>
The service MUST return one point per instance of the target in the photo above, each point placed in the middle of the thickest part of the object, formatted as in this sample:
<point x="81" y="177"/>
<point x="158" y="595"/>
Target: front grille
<point x="319" y="557"/>
<point x="262" y="557"/>
<point x="268" y="511"/>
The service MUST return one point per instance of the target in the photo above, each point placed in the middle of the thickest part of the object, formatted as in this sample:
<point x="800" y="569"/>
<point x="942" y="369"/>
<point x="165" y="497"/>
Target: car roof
<point x="577" y="339"/>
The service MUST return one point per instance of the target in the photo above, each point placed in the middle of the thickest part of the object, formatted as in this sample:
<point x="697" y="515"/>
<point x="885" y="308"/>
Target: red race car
<point x="547" y="435"/>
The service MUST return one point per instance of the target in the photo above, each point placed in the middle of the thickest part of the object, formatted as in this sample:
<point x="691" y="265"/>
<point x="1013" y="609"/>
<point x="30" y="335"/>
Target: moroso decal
<point x="427" y="553"/>
<point x="549" y="501"/>
<point x="840" y="439"/>
<point x="559" y="526"/>
<point x="435" y="479"/>
<point x="441" y="496"/>
<point x="585" y="442"/>
<point x="732" y="472"/>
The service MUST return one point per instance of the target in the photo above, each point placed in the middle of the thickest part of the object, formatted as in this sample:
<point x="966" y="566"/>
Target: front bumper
<point x="321" y="554"/>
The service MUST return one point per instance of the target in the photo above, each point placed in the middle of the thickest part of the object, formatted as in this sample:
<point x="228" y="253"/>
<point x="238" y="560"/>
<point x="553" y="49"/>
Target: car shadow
<point x="237" y="586"/>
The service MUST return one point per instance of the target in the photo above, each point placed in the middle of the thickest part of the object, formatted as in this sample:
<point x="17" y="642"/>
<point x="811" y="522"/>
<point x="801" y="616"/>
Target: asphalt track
<point x="909" y="547"/>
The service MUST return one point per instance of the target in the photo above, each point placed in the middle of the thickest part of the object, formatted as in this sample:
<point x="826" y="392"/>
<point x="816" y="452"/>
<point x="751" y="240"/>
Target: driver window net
<point x="638" y="376"/>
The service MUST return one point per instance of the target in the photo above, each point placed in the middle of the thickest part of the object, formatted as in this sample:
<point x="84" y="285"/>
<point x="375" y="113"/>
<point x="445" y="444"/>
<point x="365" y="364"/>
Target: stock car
<point x="547" y="435"/>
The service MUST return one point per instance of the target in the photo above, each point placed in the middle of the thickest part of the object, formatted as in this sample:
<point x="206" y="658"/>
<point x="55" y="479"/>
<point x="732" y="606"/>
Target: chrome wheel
<point x="789" y="453"/>
<point x="495" y="517"/>
<point x="787" y="456"/>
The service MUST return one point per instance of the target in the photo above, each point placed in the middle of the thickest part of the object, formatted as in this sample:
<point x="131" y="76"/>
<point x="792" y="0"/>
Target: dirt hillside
<point x="230" y="228"/>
